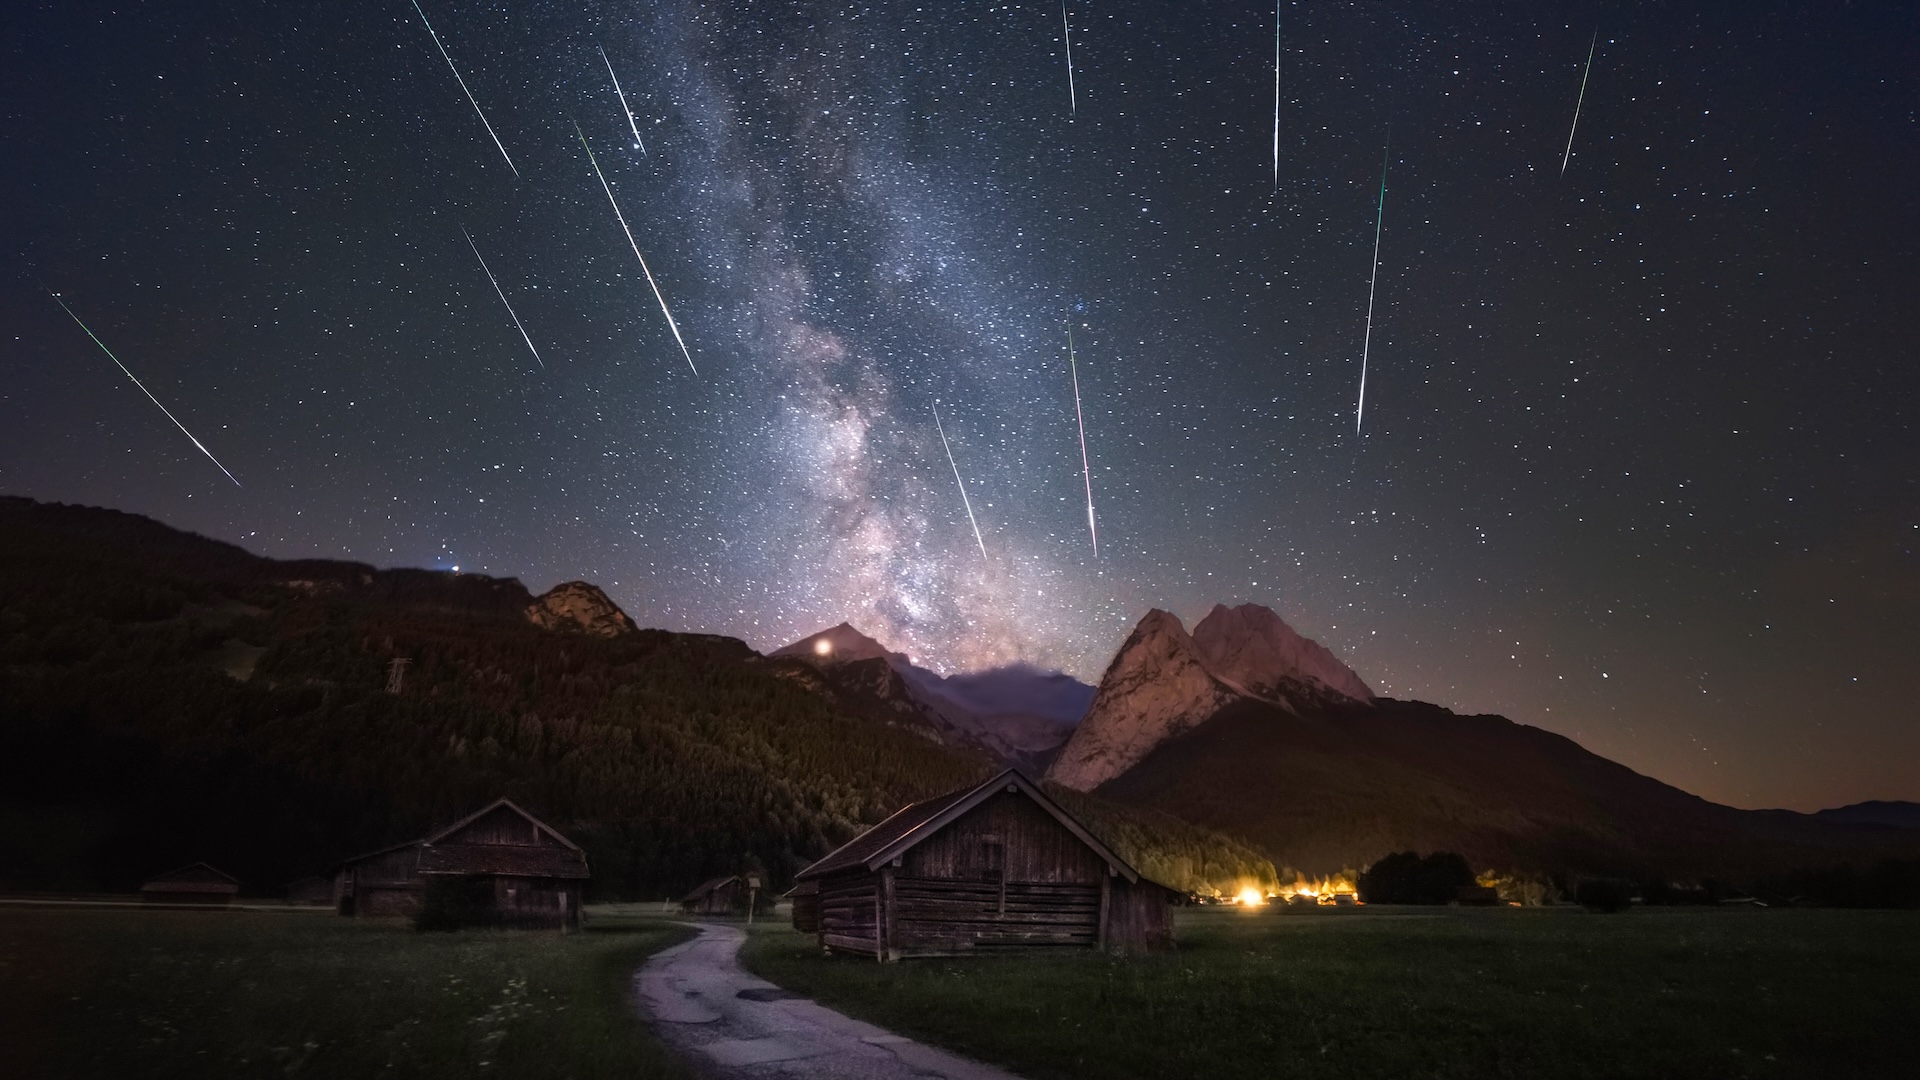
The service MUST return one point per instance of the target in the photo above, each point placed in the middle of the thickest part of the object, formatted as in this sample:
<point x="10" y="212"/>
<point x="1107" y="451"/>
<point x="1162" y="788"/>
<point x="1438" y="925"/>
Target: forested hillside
<point x="165" y="698"/>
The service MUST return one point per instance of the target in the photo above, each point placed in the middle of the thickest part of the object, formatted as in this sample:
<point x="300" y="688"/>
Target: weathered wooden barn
<point x="806" y="906"/>
<point x="518" y="868"/>
<point x="195" y="884"/>
<point x="523" y="871"/>
<point x="998" y="865"/>
<point x="716" y="897"/>
<point x="380" y="883"/>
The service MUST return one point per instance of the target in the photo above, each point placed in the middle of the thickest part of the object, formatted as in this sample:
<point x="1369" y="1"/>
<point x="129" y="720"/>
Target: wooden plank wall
<point x="1033" y="846"/>
<point x="502" y="826"/>
<point x="943" y="915"/>
<point x="849" y="913"/>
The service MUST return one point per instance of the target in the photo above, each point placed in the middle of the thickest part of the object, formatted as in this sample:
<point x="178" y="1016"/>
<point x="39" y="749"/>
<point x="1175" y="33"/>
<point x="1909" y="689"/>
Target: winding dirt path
<point x="734" y="1026"/>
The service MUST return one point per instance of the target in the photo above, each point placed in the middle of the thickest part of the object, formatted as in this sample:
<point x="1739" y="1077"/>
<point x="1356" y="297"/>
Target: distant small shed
<point x="806" y="906"/>
<point x="527" y="872"/>
<point x="195" y="884"/>
<point x="997" y="865"/>
<point x="715" y="897"/>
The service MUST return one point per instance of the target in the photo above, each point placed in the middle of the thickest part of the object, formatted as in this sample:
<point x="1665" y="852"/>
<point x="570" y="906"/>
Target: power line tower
<point x="396" y="673"/>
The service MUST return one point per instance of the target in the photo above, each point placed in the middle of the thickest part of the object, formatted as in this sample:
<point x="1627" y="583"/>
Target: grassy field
<point x="97" y="993"/>
<point x="1500" y="993"/>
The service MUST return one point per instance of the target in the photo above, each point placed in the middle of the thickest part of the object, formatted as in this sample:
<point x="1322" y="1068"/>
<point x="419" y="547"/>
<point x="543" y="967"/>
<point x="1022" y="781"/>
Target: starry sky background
<point x="1639" y="453"/>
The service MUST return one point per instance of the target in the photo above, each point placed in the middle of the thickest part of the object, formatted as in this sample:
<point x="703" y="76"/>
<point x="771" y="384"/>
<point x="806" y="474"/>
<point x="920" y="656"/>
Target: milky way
<point x="1638" y="459"/>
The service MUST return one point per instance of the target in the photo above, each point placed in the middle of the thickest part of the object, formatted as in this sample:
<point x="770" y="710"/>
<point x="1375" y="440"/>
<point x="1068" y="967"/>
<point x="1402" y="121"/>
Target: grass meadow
<point x="126" y="992"/>
<point x="1453" y="993"/>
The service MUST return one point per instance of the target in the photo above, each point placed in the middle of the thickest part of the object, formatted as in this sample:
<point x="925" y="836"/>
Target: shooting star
<point x="1581" y="100"/>
<point x="1276" y="95"/>
<point x="142" y="386"/>
<point x="964" y="501"/>
<point x="671" y="325"/>
<point x="1086" y="470"/>
<point x="503" y="300"/>
<point x="463" y="88"/>
<point x="1360" y="410"/>
<point x="1066" y="32"/>
<point x="634" y="127"/>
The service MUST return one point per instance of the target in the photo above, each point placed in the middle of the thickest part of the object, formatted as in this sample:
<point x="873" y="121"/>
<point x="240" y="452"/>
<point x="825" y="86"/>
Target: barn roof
<point x="194" y="877"/>
<point x="896" y="835"/>
<point x="490" y="808"/>
<point x="706" y="887"/>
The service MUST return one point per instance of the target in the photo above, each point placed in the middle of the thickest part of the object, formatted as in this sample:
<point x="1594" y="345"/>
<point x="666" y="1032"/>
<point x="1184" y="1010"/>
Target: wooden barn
<point x="998" y="865"/>
<point x="806" y="906"/>
<point x="716" y="897"/>
<point x="196" y="884"/>
<point x="380" y="883"/>
<point x="517" y="867"/>
<point x="521" y="869"/>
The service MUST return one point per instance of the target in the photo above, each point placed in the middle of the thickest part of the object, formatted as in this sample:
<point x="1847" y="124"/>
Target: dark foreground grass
<point x="125" y="993"/>
<point x="1464" y="994"/>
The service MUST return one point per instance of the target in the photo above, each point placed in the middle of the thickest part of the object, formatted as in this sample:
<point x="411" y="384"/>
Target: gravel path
<point x="732" y="1025"/>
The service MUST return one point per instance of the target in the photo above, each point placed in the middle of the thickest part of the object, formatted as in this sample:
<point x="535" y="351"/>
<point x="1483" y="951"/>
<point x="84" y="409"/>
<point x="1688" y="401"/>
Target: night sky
<point x="1638" y="457"/>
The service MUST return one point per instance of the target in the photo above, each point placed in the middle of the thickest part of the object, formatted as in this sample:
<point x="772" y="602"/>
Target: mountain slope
<point x="1321" y="779"/>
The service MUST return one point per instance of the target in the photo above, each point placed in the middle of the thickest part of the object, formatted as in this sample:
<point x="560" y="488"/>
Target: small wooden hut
<point x="997" y="865"/>
<point x="195" y="884"/>
<point x="380" y="883"/>
<point x="716" y="897"/>
<point x="523" y="870"/>
<point x="806" y="906"/>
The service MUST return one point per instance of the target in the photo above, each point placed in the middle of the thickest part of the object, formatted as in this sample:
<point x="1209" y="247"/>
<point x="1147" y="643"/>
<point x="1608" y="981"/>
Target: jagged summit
<point x="839" y="645"/>
<point x="1164" y="682"/>
<point x="579" y="606"/>
<point x="1251" y="647"/>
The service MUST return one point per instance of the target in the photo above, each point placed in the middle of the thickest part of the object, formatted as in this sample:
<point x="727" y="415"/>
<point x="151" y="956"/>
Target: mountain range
<point x="166" y="698"/>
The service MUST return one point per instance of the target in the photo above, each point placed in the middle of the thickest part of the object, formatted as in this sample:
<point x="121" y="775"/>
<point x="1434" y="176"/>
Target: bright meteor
<point x="503" y="300"/>
<point x="143" y="387"/>
<point x="463" y="88"/>
<point x="631" y="125"/>
<point x="671" y="325"/>
<point x="1360" y="410"/>
<point x="964" y="501"/>
<point x="1066" y="32"/>
<point x="1581" y="100"/>
<point x="1276" y="95"/>
<point x="1086" y="470"/>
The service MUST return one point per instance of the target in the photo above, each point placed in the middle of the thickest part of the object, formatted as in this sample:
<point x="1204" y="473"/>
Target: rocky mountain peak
<point x="1156" y="687"/>
<point x="1252" y="648"/>
<point x="581" y="607"/>
<point x="838" y="645"/>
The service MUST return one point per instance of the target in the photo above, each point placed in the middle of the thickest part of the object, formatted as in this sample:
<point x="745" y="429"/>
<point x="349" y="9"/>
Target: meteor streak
<point x="142" y="386"/>
<point x="964" y="501"/>
<point x="1086" y="470"/>
<point x="1360" y="410"/>
<point x="635" y="128"/>
<point x="1276" y="95"/>
<point x="463" y="88"/>
<point x="671" y="325"/>
<point x="1581" y="100"/>
<point x="1066" y="32"/>
<point x="503" y="300"/>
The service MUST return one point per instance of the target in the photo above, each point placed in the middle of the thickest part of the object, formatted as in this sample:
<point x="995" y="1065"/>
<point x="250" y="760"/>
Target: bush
<point x="1406" y="878"/>
<point x="1603" y="894"/>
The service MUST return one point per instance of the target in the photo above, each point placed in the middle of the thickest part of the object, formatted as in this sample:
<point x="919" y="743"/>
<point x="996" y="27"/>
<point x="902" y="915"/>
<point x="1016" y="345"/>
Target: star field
<point x="1638" y="458"/>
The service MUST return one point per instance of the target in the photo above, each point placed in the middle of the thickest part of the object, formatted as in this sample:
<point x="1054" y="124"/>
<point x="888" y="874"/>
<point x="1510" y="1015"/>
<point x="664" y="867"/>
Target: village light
<point x="822" y="647"/>
<point x="1250" y="897"/>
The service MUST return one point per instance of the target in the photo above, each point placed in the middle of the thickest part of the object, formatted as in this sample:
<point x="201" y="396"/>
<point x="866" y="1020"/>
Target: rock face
<point x="1156" y="687"/>
<point x="1250" y="647"/>
<point x="578" y="606"/>
<point x="1163" y="682"/>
